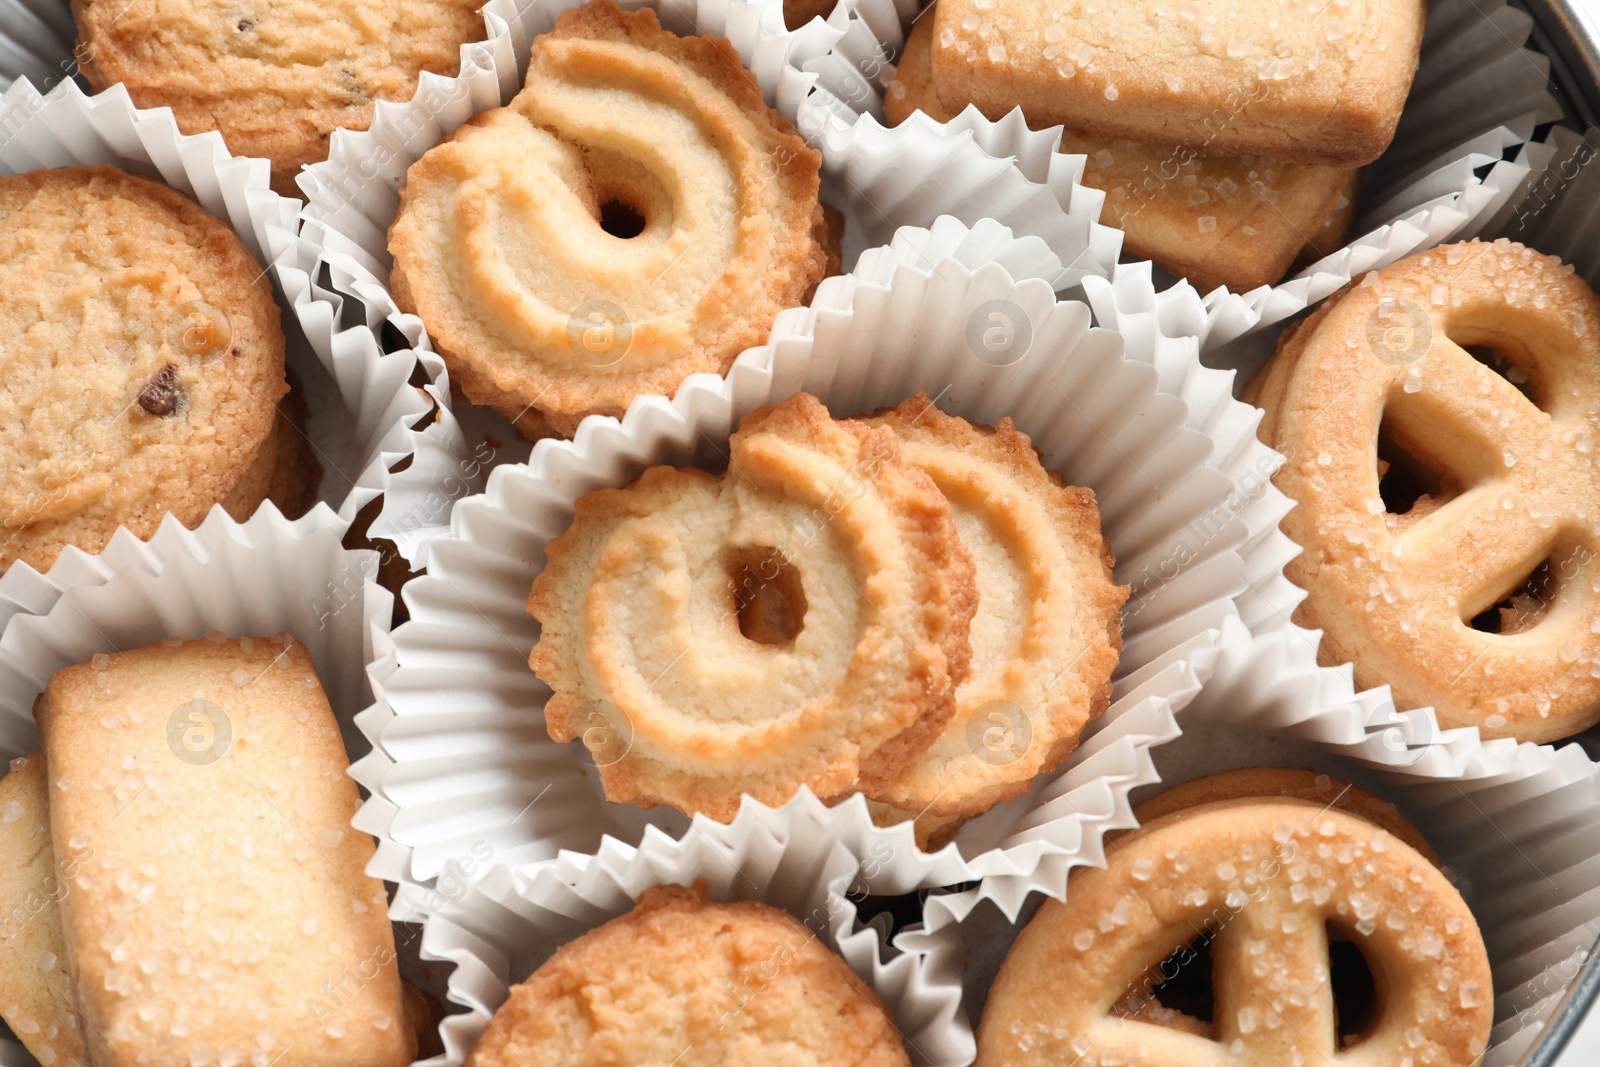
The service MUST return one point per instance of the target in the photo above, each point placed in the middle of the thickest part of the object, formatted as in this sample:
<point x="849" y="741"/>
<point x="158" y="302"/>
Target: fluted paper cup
<point x="500" y="928"/>
<point x="461" y="753"/>
<point x="257" y="579"/>
<point x="1458" y="156"/>
<point x="376" y="398"/>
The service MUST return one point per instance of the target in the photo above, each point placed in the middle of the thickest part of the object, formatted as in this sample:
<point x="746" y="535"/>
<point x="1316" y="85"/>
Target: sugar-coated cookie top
<point x="1306" y="81"/>
<point x="221" y="911"/>
<point x="1265" y="884"/>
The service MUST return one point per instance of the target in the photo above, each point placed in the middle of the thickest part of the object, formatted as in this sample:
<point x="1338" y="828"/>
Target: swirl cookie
<point x="1048" y="628"/>
<point x="1209" y="219"/>
<point x="684" y="981"/>
<point x="274" y="79"/>
<point x="1222" y="77"/>
<point x="802" y="620"/>
<point x="1265" y="885"/>
<point x="636" y="215"/>
<point x="144" y="363"/>
<point x="1440" y="417"/>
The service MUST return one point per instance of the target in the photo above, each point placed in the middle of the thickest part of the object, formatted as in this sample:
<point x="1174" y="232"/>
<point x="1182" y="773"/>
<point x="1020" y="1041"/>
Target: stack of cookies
<point x="1228" y="142"/>
<point x="909" y="606"/>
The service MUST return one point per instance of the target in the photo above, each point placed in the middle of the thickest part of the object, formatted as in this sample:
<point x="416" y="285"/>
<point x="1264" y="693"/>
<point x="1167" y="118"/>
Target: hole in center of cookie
<point x="1182" y="998"/>
<point x="1410" y="488"/>
<point x="1527" y="603"/>
<point x="1506" y="359"/>
<point x="620" y="219"/>
<point x="1355" y="991"/>
<point x="768" y="598"/>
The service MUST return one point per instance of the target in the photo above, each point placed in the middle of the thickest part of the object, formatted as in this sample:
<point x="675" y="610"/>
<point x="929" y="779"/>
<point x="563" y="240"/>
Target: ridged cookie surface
<point x="801" y="620"/>
<point x="637" y="214"/>
<point x="1048" y="629"/>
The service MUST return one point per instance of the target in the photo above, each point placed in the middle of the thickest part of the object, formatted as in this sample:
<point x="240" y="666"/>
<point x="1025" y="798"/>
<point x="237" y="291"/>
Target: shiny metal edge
<point x="1568" y="32"/>
<point x="1569" y="1014"/>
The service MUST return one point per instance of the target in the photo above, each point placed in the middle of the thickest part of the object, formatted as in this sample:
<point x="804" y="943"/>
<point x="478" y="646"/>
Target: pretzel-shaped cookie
<point x="1260" y="880"/>
<point x="1518" y="493"/>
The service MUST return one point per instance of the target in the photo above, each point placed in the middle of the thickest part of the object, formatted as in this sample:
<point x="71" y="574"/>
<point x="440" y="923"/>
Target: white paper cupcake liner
<point x="36" y="42"/>
<point x="461" y="753"/>
<point x="252" y="579"/>
<point x="500" y="929"/>
<point x="374" y="405"/>
<point x="1518" y="824"/>
<point x="1456" y="159"/>
<point x="1557" y="209"/>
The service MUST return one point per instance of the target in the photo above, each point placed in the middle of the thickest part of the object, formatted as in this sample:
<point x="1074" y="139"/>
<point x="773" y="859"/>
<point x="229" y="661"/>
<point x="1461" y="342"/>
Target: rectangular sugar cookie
<point x="220" y="913"/>
<point x="1303" y="81"/>
<point x="35" y="990"/>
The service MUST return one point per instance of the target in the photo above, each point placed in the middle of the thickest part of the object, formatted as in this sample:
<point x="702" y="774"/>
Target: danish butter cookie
<point x="201" y="790"/>
<point x="685" y="981"/>
<point x="802" y="620"/>
<point x="637" y="214"/>
<point x="144" y="362"/>
<point x="274" y="77"/>
<point x="35" y="990"/>
<point x="1265" y="884"/>
<point x="1209" y="219"/>
<point x="1440" y="416"/>
<point x="1048" y="628"/>
<point x="1320" y="82"/>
